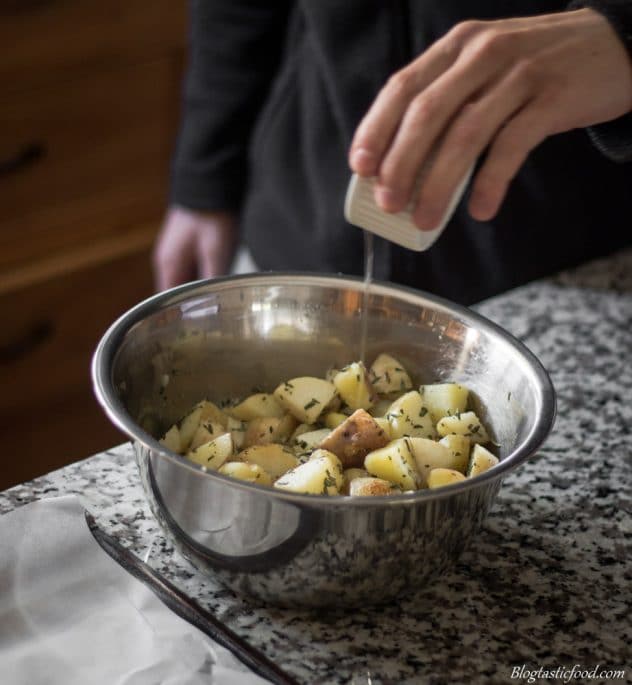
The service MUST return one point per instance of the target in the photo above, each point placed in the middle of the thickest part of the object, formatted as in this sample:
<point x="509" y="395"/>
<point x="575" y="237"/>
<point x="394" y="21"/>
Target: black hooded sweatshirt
<point x="273" y="94"/>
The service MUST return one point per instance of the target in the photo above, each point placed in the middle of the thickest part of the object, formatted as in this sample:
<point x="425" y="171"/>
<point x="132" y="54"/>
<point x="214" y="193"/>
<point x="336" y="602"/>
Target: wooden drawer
<point x="49" y="39"/>
<point x="48" y="414"/>
<point x="105" y="146"/>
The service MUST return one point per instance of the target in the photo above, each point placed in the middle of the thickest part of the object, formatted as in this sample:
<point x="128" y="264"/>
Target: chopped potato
<point x="334" y="419"/>
<point x="211" y="412"/>
<point x="381" y="407"/>
<point x="171" y="439"/>
<point x="467" y="424"/>
<point x="206" y="431"/>
<point x="349" y="475"/>
<point x="312" y="439"/>
<point x="353" y="439"/>
<point x="237" y="429"/>
<point x="459" y="445"/>
<point x="431" y="455"/>
<point x="300" y="429"/>
<point x="438" y="478"/>
<point x="444" y="399"/>
<point x="262" y="431"/>
<point x="214" y="453"/>
<point x="253" y="473"/>
<point x="259" y="405"/>
<point x="385" y="425"/>
<point x="481" y="460"/>
<point x="389" y="376"/>
<point x="354" y="387"/>
<point x="274" y="458"/>
<point x="394" y="463"/>
<point x="408" y="417"/>
<point x="313" y="435"/>
<point x="370" y="487"/>
<point x="321" y="475"/>
<point x="285" y="428"/>
<point x="306" y="397"/>
<point x="330" y="374"/>
<point x="189" y="425"/>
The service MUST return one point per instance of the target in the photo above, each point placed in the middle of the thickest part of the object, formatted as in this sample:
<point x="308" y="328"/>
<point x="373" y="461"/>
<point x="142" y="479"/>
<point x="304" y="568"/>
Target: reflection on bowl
<point x="220" y="339"/>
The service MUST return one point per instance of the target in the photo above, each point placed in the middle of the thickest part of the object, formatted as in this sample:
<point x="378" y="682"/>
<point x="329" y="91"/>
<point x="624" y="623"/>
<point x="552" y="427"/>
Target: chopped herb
<point x="312" y="403"/>
<point x="397" y="368"/>
<point x="423" y="411"/>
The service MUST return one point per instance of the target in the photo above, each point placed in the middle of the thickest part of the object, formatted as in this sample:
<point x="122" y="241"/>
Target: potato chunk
<point x="389" y="376"/>
<point x="321" y="475"/>
<point x="206" y="431"/>
<point x="171" y="439"/>
<point x="265" y="430"/>
<point x="354" y="387"/>
<point x="311" y="439"/>
<point x="237" y="429"/>
<point x="431" y="455"/>
<point x="253" y="473"/>
<point x="188" y="426"/>
<point x="333" y="419"/>
<point x="482" y="460"/>
<point x="306" y="397"/>
<point x="394" y="463"/>
<point x="211" y="412"/>
<point x="275" y="459"/>
<point x="214" y="453"/>
<point x="444" y="399"/>
<point x="349" y="475"/>
<point x="261" y="431"/>
<point x="259" y="405"/>
<point x="354" y="438"/>
<point x="370" y="487"/>
<point x="467" y="424"/>
<point x="408" y="416"/>
<point x="459" y="445"/>
<point x="438" y="478"/>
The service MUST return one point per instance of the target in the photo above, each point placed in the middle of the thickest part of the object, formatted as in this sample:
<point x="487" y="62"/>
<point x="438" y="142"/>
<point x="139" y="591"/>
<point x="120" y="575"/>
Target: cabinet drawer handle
<point x="37" y="335"/>
<point x="29" y="154"/>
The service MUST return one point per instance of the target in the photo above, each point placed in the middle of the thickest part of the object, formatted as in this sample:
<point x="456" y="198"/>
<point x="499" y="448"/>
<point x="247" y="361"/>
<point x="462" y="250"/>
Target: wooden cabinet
<point x="89" y="99"/>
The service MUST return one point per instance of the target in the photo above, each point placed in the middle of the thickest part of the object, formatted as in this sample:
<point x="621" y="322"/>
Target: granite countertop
<point x="548" y="581"/>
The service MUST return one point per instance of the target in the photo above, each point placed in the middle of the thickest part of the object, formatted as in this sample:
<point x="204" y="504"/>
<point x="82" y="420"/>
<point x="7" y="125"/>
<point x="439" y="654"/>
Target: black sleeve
<point x="613" y="138"/>
<point x="235" y="48"/>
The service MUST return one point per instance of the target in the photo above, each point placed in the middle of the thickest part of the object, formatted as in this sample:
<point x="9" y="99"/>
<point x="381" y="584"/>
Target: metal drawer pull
<point x="37" y="335"/>
<point x="29" y="154"/>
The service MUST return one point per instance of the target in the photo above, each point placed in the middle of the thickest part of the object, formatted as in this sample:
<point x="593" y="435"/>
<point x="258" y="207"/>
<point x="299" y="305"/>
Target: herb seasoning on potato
<point x="357" y="432"/>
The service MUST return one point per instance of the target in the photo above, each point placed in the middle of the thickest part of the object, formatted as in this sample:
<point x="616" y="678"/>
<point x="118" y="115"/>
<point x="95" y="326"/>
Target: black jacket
<point x="274" y="92"/>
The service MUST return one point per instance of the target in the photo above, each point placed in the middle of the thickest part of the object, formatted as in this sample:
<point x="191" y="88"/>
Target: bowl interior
<point x="227" y="337"/>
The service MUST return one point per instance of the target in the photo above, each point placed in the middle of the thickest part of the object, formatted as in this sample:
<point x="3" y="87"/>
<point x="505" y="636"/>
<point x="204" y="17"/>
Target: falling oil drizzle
<point x="368" y="278"/>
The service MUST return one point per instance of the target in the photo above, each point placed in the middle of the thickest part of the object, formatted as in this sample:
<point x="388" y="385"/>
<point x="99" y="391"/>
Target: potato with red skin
<point x="354" y="438"/>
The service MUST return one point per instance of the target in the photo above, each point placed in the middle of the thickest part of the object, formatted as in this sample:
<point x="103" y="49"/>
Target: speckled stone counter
<point x="547" y="583"/>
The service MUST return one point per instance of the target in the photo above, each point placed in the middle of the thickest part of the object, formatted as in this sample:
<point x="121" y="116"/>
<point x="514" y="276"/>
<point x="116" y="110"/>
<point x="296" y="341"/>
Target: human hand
<point x="500" y="85"/>
<point x="192" y="245"/>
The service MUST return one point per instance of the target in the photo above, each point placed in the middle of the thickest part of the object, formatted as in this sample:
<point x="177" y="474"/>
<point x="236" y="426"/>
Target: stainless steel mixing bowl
<point x="220" y="338"/>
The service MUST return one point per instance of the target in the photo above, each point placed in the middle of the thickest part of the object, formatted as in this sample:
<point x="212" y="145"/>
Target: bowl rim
<point x="107" y="397"/>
